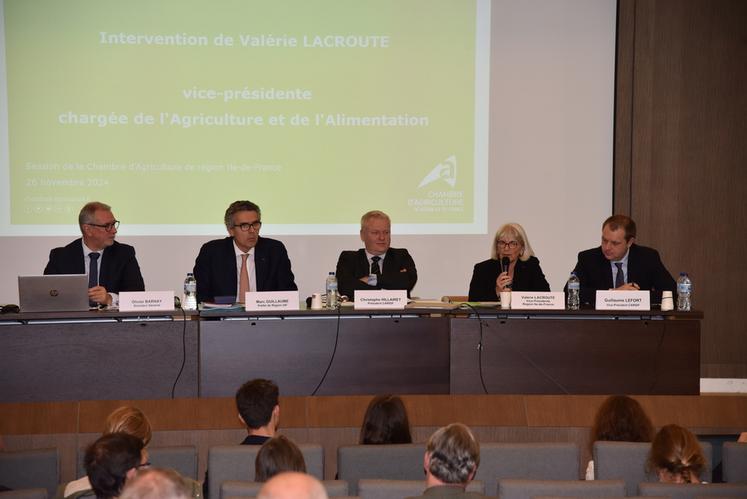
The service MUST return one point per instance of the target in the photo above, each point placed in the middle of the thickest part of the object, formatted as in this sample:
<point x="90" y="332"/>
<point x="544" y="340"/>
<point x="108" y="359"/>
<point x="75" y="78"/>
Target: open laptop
<point x="53" y="293"/>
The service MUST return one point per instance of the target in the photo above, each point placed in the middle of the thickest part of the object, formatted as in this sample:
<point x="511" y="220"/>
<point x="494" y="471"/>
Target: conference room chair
<point x="25" y="494"/>
<point x="693" y="490"/>
<point x="391" y="462"/>
<point x="30" y="469"/>
<point x="511" y="488"/>
<point x="375" y="488"/>
<point x="734" y="462"/>
<point x="236" y="462"/>
<point x="538" y="461"/>
<point x="624" y="461"/>
<point x="627" y="461"/>
<point x="182" y="458"/>
<point x="235" y="488"/>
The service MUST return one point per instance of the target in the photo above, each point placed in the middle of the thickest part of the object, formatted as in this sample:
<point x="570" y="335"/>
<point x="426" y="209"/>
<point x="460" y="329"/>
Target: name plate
<point x="537" y="300"/>
<point x="383" y="299"/>
<point x="146" y="301"/>
<point x="259" y="301"/>
<point x="623" y="300"/>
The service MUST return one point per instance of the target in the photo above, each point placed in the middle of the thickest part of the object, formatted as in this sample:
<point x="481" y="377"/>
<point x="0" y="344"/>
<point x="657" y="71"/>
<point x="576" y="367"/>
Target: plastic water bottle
<point x="574" y="292"/>
<point x="331" y="288"/>
<point x="189" y="300"/>
<point x="684" y="292"/>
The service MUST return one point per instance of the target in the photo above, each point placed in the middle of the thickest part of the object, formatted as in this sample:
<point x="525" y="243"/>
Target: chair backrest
<point x="25" y="494"/>
<point x="627" y="461"/>
<point x="236" y="462"/>
<point x="624" y="461"/>
<point x="693" y="490"/>
<point x="376" y="488"/>
<point x="734" y="462"/>
<point x="30" y="469"/>
<point x="540" y="461"/>
<point x="527" y="489"/>
<point x="390" y="462"/>
<point x="234" y="488"/>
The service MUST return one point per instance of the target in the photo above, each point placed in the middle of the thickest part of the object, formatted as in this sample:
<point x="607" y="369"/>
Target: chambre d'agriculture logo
<point x="437" y="190"/>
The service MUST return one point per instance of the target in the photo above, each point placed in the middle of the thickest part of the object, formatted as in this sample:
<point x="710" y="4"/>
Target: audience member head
<point x="621" y="419"/>
<point x="292" y="485"/>
<point x="676" y="456"/>
<point x="111" y="460"/>
<point x="452" y="456"/>
<point x="277" y="455"/>
<point x="129" y="419"/>
<point x="511" y="240"/>
<point x="258" y="406"/>
<point x="376" y="232"/>
<point x="385" y="422"/>
<point x="155" y="483"/>
<point x="618" y="234"/>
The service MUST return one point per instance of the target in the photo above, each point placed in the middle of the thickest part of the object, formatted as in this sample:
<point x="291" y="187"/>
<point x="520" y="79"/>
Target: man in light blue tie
<point x="620" y="264"/>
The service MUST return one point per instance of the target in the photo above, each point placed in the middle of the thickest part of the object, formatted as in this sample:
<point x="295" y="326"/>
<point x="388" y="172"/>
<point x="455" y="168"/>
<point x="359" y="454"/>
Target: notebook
<point x="53" y="293"/>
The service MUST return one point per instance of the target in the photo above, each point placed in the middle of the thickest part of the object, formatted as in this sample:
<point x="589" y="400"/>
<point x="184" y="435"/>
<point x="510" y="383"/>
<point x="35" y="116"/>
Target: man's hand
<point x="631" y="286"/>
<point x="99" y="294"/>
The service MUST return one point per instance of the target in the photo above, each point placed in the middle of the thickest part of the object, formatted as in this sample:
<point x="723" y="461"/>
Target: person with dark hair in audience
<point x="125" y="419"/>
<point x="257" y="402"/>
<point x="276" y="455"/>
<point x="676" y="456"/>
<point x="110" y="461"/>
<point x="452" y="456"/>
<point x="292" y="485"/>
<point x="385" y="422"/>
<point x="619" y="419"/>
<point x="155" y="483"/>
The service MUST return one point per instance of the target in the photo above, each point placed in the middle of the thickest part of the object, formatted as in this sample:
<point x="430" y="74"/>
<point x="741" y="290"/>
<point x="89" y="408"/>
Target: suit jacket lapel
<point x="362" y="265"/>
<point x="261" y="271"/>
<point x="606" y="271"/>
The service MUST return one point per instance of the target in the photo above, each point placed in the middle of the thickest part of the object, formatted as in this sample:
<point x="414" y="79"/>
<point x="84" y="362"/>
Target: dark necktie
<point x="619" y="278"/>
<point x="93" y="273"/>
<point x="375" y="269"/>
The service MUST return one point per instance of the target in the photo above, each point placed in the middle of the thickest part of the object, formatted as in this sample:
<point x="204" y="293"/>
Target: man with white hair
<point x="292" y="485"/>
<point x="452" y="456"/>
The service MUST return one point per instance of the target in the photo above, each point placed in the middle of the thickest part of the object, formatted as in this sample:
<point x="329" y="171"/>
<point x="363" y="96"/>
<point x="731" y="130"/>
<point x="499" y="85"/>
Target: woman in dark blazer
<point x="523" y="273"/>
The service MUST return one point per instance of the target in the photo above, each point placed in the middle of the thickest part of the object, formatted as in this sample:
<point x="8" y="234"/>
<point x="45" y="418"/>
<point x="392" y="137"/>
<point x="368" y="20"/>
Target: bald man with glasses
<point x="111" y="266"/>
<point x="227" y="268"/>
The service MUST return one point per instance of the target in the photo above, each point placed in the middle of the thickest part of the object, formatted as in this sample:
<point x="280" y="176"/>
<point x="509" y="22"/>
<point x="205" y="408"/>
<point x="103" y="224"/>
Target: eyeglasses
<point x="255" y="226"/>
<point x="510" y="244"/>
<point x="107" y="227"/>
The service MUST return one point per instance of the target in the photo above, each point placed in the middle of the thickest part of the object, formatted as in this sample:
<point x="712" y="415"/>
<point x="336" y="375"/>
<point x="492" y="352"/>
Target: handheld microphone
<point x="505" y="262"/>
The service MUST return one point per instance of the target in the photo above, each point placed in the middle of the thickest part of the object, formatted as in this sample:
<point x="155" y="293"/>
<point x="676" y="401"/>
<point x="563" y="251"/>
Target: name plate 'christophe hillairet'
<point x="384" y="299"/>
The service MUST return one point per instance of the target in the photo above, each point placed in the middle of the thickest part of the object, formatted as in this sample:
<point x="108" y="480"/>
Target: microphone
<point x="505" y="262"/>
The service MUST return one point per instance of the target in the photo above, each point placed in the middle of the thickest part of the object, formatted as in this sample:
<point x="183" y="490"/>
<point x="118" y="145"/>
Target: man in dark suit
<point x="393" y="267"/>
<point x="621" y="264"/>
<point x="452" y="456"/>
<point x="115" y="269"/>
<point x="243" y="262"/>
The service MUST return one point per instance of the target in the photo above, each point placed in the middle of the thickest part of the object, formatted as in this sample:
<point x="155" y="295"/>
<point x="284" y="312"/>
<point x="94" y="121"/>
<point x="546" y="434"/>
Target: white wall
<point x="551" y="119"/>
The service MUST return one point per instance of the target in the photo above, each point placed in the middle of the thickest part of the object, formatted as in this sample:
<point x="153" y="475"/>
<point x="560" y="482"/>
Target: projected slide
<point x="317" y="110"/>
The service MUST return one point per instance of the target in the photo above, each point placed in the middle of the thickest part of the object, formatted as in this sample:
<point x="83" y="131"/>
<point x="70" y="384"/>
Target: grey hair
<point x="89" y="210"/>
<point x="453" y="454"/>
<point x="518" y="232"/>
<point x="238" y="206"/>
<point x="373" y="214"/>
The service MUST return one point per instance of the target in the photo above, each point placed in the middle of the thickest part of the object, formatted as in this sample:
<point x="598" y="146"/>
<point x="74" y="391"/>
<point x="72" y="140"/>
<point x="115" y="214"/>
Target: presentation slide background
<point x="550" y="163"/>
<point x="84" y="75"/>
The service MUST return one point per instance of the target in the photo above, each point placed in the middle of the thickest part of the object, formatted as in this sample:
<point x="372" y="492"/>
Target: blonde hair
<point x="373" y="214"/>
<point x="130" y="420"/>
<point x="518" y="232"/>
